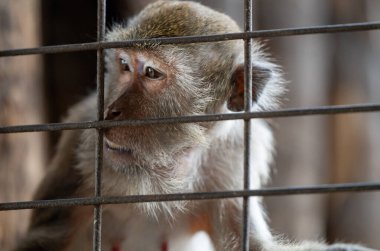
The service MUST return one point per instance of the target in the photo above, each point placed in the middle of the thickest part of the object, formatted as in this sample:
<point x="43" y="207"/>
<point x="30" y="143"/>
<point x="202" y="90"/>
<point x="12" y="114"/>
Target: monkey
<point x="156" y="81"/>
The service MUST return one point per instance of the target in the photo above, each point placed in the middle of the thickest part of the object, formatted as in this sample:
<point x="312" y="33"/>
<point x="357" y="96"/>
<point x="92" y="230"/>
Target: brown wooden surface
<point x="22" y="156"/>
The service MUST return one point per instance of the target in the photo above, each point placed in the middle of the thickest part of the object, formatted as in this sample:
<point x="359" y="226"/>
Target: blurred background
<point x="321" y="70"/>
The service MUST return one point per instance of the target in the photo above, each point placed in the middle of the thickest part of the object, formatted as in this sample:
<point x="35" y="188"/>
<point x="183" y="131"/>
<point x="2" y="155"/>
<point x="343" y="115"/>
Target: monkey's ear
<point x="260" y="77"/>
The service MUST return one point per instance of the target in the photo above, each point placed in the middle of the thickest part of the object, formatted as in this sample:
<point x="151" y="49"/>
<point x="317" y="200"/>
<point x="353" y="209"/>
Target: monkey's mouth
<point x="111" y="146"/>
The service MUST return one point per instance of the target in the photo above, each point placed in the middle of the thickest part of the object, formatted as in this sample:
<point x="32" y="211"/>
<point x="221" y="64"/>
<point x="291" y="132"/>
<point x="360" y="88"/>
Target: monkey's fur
<point x="166" y="81"/>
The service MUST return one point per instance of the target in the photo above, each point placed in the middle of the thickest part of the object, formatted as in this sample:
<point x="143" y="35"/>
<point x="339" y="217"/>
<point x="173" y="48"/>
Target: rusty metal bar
<point x="350" y="27"/>
<point x="290" y="112"/>
<point x="97" y="231"/>
<point x="275" y="191"/>
<point x="248" y="27"/>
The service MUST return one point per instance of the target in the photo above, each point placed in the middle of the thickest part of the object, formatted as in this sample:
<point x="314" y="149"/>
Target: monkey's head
<point x="150" y="80"/>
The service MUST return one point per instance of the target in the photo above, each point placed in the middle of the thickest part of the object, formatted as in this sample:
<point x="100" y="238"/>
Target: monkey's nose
<point x="113" y="114"/>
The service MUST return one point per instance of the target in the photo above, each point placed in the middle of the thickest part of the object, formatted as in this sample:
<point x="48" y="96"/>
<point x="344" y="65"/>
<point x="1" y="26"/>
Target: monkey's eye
<point x="152" y="73"/>
<point x="124" y="65"/>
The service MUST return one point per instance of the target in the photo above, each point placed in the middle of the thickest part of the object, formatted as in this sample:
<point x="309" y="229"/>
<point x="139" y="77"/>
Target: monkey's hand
<point x="348" y="247"/>
<point x="316" y="246"/>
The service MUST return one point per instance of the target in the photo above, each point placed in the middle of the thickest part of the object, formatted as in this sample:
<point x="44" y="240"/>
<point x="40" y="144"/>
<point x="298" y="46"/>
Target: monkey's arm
<point x="51" y="229"/>
<point x="227" y="227"/>
<point x="316" y="246"/>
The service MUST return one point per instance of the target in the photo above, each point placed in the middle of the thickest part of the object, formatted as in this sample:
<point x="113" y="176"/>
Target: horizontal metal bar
<point x="195" y="39"/>
<point x="292" y="112"/>
<point x="277" y="191"/>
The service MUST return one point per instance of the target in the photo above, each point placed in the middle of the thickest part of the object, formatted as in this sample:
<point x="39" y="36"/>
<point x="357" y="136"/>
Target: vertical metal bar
<point x="248" y="27"/>
<point x="97" y="233"/>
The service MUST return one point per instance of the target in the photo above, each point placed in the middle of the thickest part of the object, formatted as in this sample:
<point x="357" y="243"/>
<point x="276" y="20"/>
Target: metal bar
<point x="97" y="231"/>
<point x="351" y="27"/>
<point x="275" y="191"/>
<point x="291" y="112"/>
<point x="248" y="27"/>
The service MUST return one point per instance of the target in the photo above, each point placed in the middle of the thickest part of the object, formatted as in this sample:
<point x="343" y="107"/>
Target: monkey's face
<point x="146" y="84"/>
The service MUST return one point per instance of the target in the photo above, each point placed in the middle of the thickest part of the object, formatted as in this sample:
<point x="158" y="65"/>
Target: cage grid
<point x="98" y="200"/>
